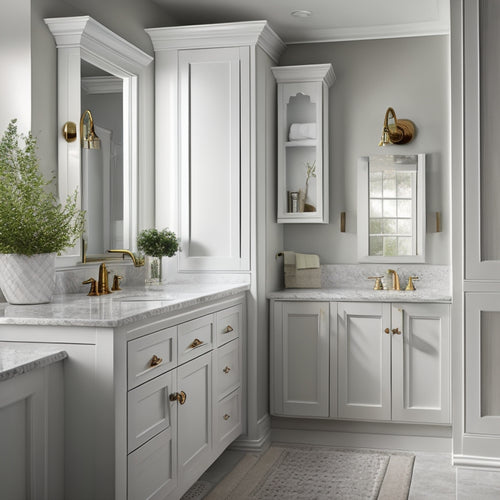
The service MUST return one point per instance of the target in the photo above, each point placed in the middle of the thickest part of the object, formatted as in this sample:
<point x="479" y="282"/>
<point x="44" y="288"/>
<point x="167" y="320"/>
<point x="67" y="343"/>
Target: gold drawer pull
<point x="195" y="343"/>
<point x="395" y="331"/>
<point x="387" y="330"/>
<point x="228" y="329"/>
<point x="226" y="417"/>
<point x="227" y="369"/>
<point x="155" y="360"/>
<point x="178" y="396"/>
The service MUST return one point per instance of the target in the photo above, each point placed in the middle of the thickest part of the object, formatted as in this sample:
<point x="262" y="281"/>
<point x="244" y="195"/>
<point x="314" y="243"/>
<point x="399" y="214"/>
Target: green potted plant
<point x="34" y="225"/>
<point x="155" y="245"/>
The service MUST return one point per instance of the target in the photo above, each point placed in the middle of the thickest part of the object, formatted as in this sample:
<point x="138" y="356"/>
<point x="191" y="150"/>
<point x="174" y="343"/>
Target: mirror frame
<point x="363" y="214"/>
<point x="84" y="38"/>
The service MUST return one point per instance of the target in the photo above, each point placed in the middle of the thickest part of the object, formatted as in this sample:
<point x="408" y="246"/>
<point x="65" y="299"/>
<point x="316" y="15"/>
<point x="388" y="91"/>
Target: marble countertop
<point x="118" y="308"/>
<point x="16" y="359"/>
<point x="361" y="295"/>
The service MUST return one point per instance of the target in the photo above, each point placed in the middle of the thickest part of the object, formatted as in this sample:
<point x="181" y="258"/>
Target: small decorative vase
<point x="153" y="270"/>
<point x="28" y="279"/>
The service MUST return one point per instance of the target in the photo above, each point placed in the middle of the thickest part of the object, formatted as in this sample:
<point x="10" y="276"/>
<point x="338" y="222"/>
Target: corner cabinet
<point x="361" y="361"/>
<point x="209" y="81"/>
<point x="303" y="142"/>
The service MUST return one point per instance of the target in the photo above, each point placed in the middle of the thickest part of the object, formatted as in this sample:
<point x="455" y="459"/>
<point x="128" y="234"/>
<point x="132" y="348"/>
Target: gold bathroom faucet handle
<point x="410" y="287"/>
<point x="93" y="287"/>
<point x="116" y="283"/>
<point x="378" y="283"/>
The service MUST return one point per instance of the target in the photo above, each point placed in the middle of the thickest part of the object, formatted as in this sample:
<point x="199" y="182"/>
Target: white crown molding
<point x="218" y="35"/>
<point x="85" y="32"/>
<point x="373" y="32"/>
<point x="102" y="85"/>
<point x="305" y="73"/>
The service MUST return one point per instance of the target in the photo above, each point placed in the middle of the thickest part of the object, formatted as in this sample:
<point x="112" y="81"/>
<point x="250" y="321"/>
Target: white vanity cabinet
<point x="394" y="362"/>
<point x="300" y="353"/>
<point x="146" y="409"/>
<point x="371" y="361"/>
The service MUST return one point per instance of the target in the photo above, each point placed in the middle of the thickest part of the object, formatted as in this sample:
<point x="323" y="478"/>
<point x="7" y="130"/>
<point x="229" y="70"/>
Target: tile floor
<point x="433" y="478"/>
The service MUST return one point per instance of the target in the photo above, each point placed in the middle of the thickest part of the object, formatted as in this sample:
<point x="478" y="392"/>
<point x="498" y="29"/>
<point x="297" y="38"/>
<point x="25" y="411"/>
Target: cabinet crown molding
<point x="218" y="35"/>
<point x="85" y="32"/>
<point x="305" y="73"/>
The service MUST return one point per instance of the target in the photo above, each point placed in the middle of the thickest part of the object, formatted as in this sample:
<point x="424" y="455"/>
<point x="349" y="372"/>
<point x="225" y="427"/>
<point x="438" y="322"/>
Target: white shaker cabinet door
<point x="214" y="159"/>
<point x="364" y="360"/>
<point x="301" y="359"/>
<point x="421" y="363"/>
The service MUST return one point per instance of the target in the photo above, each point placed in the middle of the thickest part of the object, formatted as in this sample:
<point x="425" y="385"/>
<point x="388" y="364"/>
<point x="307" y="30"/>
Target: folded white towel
<point x="289" y="258"/>
<point x="306" y="261"/>
<point x="300" y="131"/>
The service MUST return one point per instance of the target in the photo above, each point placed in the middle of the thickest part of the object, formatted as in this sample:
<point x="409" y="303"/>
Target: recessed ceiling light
<point x="301" y="13"/>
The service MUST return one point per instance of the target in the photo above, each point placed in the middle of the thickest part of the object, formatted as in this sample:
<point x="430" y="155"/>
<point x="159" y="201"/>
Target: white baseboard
<point x="363" y="440"/>
<point x="258" y="444"/>
<point x="476" y="462"/>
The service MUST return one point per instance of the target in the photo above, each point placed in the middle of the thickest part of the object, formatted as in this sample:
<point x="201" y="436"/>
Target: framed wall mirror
<point x="391" y="208"/>
<point x="93" y="61"/>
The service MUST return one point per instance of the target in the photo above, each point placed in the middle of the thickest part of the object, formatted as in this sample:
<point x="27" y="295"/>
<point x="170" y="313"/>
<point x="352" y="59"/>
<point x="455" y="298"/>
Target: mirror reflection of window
<point x="392" y="206"/>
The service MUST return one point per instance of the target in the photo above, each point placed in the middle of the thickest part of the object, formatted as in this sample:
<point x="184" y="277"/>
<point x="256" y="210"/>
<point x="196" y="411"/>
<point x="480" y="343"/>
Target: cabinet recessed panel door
<point x="194" y="418"/>
<point x="364" y="361"/>
<point x="213" y="160"/>
<point x="482" y="359"/>
<point x="421" y="363"/>
<point x="301" y="359"/>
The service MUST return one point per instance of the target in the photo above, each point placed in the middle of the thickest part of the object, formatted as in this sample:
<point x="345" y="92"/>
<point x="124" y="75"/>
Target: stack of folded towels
<point x="301" y="270"/>
<point x="301" y="131"/>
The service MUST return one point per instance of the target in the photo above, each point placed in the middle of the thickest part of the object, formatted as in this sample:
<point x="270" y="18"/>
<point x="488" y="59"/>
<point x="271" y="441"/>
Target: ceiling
<point x="331" y="20"/>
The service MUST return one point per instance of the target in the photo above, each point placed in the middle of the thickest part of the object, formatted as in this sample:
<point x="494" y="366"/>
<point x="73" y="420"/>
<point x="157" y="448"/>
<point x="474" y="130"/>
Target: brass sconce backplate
<point x="396" y="131"/>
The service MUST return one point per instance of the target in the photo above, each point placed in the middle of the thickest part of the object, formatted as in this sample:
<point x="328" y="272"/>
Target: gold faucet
<point x="395" y="279"/>
<point x="138" y="261"/>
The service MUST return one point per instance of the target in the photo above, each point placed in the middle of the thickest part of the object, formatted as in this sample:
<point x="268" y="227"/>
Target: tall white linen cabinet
<point x="215" y="105"/>
<point x="476" y="233"/>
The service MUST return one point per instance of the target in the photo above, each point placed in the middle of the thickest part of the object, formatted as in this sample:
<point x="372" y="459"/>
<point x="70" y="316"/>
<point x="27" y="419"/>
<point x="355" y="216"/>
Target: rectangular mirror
<point x="391" y="208"/>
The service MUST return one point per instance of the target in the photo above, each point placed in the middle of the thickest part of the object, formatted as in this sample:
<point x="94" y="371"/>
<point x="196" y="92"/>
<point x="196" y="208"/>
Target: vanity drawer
<point x="149" y="410"/>
<point x="229" y="324"/>
<point x="151" y="355"/>
<point x="152" y="468"/>
<point x="195" y="338"/>
<point x="227" y="420"/>
<point x="227" y="368"/>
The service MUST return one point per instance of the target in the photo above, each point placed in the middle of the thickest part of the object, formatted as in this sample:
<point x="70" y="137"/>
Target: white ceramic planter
<point x="28" y="279"/>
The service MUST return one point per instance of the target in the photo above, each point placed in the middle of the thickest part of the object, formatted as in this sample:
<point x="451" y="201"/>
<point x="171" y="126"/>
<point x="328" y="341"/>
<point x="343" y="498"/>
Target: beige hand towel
<point x="306" y="261"/>
<point x="289" y="258"/>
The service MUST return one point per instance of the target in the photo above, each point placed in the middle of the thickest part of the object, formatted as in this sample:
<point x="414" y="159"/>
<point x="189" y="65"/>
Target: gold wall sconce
<point x="396" y="131"/>
<point x="88" y="136"/>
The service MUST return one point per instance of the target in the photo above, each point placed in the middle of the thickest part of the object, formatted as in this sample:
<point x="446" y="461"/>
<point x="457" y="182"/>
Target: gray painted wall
<point x="412" y="76"/>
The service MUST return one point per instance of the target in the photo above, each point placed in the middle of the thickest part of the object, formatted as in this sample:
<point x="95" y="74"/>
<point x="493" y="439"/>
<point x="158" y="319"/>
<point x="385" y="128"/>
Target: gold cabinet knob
<point x="228" y="329"/>
<point x="226" y="369"/>
<point x="226" y="417"/>
<point x="155" y="360"/>
<point x="387" y="330"/>
<point x="195" y="343"/>
<point x="396" y="331"/>
<point x="180" y="397"/>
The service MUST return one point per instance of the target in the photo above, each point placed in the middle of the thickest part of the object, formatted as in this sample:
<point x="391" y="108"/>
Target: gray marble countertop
<point x="118" y="308"/>
<point x="361" y="295"/>
<point x="16" y="359"/>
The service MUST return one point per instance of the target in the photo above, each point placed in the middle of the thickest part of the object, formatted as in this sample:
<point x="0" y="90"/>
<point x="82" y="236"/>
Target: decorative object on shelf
<point x="396" y="131"/>
<point x="157" y="244"/>
<point x="310" y="172"/>
<point x="34" y="225"/>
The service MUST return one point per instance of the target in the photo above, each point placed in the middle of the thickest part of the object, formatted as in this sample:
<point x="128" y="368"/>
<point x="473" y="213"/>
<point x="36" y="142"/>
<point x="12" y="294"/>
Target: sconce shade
<point x="89" y="139"/>
<point x="396" y="131"/>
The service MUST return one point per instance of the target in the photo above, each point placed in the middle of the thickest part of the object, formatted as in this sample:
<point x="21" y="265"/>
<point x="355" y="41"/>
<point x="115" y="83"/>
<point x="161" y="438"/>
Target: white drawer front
<point x="228" y="420"/>
<point x="152" y="469"/>
<point x="151" y="355"/>
<point x="195" y="338"/>
<point x="229" y="324"/>
<point x="227" y="366"/>
<point x="149" y="410"/>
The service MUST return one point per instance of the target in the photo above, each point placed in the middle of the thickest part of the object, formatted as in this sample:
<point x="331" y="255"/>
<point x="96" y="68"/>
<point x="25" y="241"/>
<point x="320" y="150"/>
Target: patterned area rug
<point x="319" y="473"/>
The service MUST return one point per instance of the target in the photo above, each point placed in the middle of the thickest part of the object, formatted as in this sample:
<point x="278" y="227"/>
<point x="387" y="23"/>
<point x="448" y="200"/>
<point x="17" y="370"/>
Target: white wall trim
<point x="476" y="462"/>
<point x="261" y="442"/>
<point x="218" y="35"/>
<point x="102" y="85"/>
